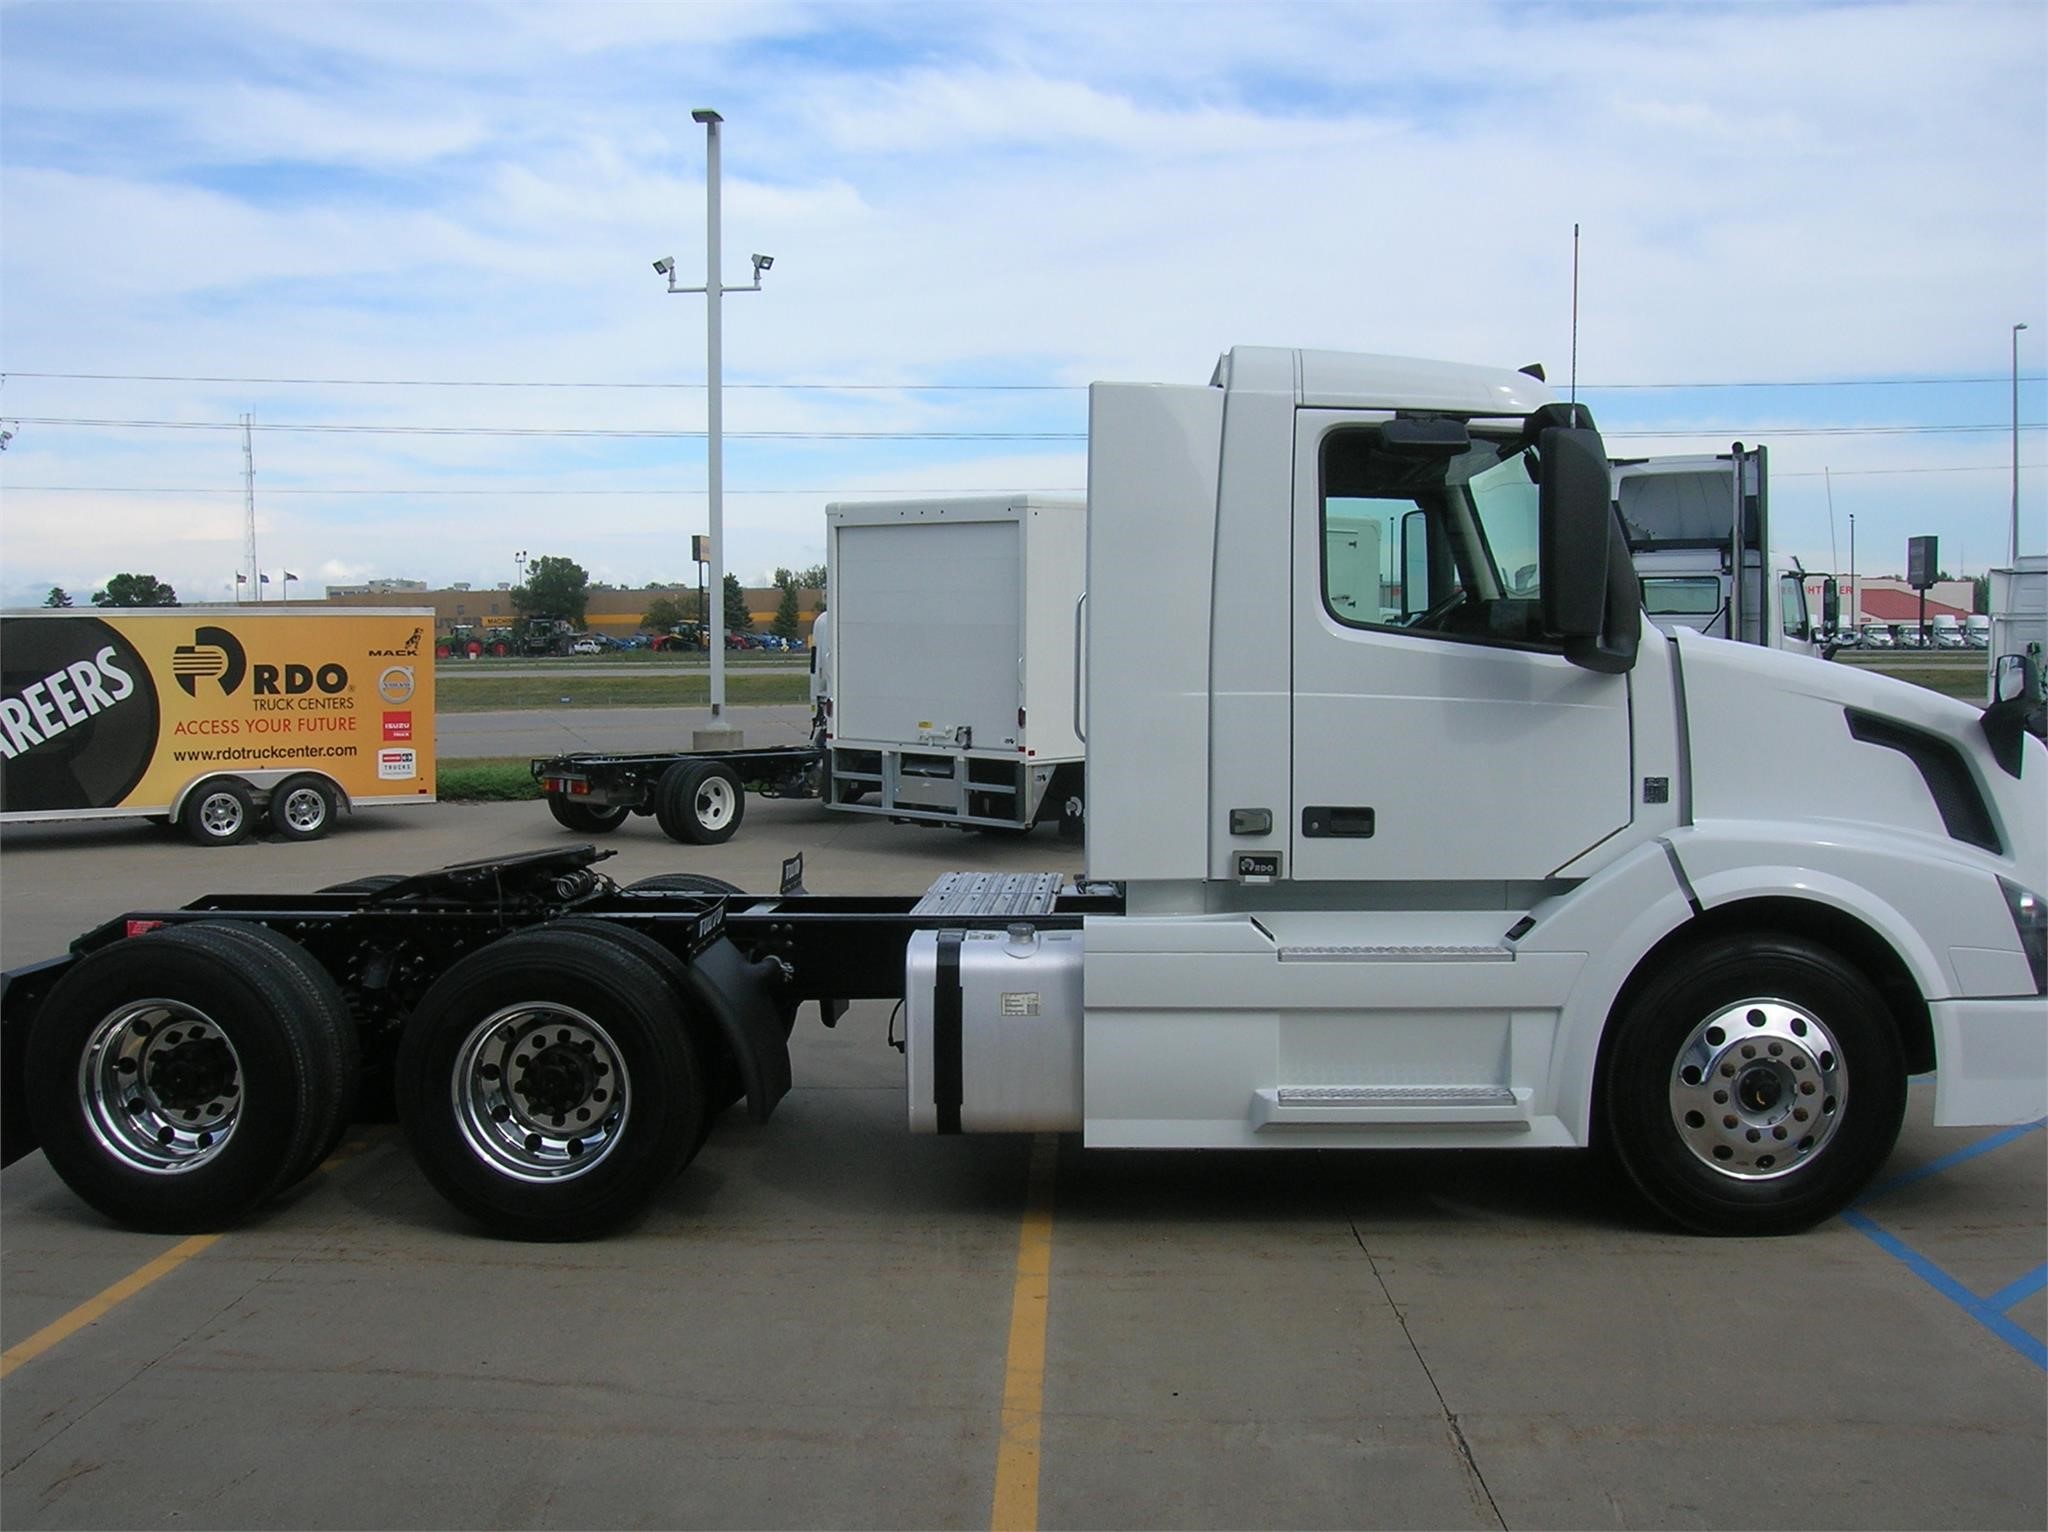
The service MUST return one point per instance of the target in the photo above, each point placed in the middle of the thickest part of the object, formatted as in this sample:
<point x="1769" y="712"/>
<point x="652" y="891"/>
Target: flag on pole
<point x="241" y="579"/>
<point x="265" y="579"/>
<point x="289" y="575"/>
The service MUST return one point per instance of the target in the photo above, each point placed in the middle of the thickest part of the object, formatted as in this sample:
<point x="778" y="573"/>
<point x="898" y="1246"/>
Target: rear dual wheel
<point x="700" y="803"/>
<point x="549" y="1084"/>
<point x="179" y="1079"/>
<point x="586" y="818"/>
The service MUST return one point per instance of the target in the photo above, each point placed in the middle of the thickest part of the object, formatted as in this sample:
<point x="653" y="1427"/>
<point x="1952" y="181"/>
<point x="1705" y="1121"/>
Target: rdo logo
<point x="217" y="655"/>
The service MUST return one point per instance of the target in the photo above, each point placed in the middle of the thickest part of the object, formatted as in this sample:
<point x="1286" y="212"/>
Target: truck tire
<point x="686" y="883"/>
<point x="375" y="883"/>
<point x="175" y="1083"/>
<point x="548" y="1086"/>
<point x="304" y="807"/>
<point x="322" y="1015"/>
<point x="584" y="818"/>
<point x="1754" y="1086"/>
<point x="221" y="812"/>
<point x="700" y="803"/>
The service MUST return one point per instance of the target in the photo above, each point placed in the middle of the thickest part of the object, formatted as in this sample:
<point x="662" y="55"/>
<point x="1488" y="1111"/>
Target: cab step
<point x="1390" y="1106"/>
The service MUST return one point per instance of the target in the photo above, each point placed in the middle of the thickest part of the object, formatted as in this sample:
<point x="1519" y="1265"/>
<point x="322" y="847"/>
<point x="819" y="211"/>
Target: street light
<point x="2016" y="444"/>
<point x="715" y="290"/>
<point x="519" y="558"/>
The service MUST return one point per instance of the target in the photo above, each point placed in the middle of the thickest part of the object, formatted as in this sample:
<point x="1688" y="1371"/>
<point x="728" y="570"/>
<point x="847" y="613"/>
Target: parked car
<point x="587" y="646"/>
<point x="1876" y="636"/>
<point x="1906" y="635"/>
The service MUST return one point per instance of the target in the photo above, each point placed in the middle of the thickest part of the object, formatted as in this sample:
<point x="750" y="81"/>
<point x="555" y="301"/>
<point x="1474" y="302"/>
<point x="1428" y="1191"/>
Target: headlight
<point x="2030" y="919"/>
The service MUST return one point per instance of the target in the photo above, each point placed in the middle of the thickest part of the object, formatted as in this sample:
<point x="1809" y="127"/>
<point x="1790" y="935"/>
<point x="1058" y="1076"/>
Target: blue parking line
<point x="1950" y="1161"/>
<point x="2022" y="1340"/>
<point x="2012" y="1292"/>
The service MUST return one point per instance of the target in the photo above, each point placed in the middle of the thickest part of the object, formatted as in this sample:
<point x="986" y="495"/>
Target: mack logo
<point x="214" y="654"/>
<point x="409" y="650"/>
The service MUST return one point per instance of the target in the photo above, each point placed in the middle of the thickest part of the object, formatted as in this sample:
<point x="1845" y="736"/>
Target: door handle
<point x="1340" y="821"/>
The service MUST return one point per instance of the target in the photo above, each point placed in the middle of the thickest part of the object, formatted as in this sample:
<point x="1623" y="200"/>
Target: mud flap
<point x="740" y="999"/>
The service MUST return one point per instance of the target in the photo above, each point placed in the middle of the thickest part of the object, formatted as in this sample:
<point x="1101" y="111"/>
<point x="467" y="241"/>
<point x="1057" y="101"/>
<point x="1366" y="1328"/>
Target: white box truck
<point x="1688" y="522"/>
<point x="953" y="659"/>
<point x="1481" y="862"/>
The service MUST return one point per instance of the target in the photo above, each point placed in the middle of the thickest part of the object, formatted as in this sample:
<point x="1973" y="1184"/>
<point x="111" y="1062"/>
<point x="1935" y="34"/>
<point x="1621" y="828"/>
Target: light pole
<point x="715" y="290"/>
<point x="2016" y="444"/>
<point x="1855" y="606"/>
<point x="519" y="559"/>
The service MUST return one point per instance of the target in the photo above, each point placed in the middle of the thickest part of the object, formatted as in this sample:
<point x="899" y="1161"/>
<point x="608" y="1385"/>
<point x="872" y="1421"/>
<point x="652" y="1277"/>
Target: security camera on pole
<point x="720" y="735"/>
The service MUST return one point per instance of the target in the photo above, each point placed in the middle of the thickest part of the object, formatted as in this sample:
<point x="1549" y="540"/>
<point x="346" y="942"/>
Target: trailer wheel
<point x="548" y="1085"/>
<point x="219" y="813"/>
<point x="584" y="818"/>
<point x="700" y="802"/>
<point x="303" y="807"/>
<point x="174" y="1080"/>
<point x="1754" y="1086"/>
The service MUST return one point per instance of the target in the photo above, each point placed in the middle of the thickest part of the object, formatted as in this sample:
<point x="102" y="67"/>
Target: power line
<point x="847" y="387"/>
<point x="577" y="432"/>
<point x="864" y="489"/>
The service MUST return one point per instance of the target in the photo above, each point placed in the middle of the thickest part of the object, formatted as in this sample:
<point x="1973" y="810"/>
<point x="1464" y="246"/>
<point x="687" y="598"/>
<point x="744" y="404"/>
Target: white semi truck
<point x="953" y="659"/>
<point x="1690" y="521"/>
<point x="1473" y="859"/>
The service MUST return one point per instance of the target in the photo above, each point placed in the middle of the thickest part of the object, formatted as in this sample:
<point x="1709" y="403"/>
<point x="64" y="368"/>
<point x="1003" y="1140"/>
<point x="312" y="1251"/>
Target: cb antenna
<point x="1575" y="322"/>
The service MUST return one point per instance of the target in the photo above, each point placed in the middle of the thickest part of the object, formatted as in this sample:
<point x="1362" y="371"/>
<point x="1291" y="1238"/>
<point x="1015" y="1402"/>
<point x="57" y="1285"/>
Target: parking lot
<point x="829" y="1322"/>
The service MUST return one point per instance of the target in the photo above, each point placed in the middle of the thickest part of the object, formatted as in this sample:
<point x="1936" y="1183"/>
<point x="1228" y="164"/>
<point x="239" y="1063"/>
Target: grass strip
<point x="485" y="779"/>
<point x="479" y="694"/>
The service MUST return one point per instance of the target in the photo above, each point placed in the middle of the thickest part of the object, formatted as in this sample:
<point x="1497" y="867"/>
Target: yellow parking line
<point x="93" y="1308"/>
<point x="98" y="1306"/>
<point x="1016" y="1497"/>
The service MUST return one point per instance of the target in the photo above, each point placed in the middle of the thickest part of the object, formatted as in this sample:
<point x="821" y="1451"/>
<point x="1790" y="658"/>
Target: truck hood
<point x="1783" y="736"/>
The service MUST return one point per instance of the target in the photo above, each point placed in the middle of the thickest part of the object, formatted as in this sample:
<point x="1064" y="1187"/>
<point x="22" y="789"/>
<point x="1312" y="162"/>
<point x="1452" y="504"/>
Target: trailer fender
<point x="741" y="999"/>
<point x="21" y="1000"/>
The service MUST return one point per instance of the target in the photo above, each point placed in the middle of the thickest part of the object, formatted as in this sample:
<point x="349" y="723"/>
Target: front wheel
<point x="1754" y="1086"/>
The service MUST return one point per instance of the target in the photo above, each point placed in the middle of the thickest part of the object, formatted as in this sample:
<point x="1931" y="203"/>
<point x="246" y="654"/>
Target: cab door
<point x="1435" y="737"/>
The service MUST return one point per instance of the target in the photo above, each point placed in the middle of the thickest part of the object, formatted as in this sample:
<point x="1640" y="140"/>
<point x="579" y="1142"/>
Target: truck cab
<point x="1465" y="852"/>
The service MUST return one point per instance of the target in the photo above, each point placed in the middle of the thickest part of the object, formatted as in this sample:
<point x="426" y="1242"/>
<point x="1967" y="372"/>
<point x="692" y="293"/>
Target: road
<point x="557" y="731"/>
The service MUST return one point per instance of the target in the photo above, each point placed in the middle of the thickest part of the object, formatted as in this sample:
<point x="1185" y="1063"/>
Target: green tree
<point x="662" y="614"/>
<point x="1980" y="593"/>
<point x="555" y="587"/>
<point x="785" y="624"/>
<point x="58" y="596"/>
<point x="737" y="618"/>
<point x="812" y="578"/>
<point x="135" y="590"/>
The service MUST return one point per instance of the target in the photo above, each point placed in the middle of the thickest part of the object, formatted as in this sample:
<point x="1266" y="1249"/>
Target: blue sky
<point x="387" y="200"/>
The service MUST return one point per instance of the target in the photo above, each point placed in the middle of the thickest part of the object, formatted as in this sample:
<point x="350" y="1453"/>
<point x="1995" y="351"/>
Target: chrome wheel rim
<point x="540" y="1092"/>
<point x="1757" y="1090"/>
<point x="305" y="809"/>
<point x="715" y="803"/>
<point x="220" y="814"/>
<point x="161" y="1086"/>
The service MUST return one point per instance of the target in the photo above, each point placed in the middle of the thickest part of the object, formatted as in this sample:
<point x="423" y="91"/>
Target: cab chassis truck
<point x="1459" y="856"/>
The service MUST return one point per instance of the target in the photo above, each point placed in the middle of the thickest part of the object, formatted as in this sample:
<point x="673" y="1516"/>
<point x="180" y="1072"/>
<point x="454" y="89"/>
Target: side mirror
<point x="2019" y="706"/>
<point x="1575" y="513"/>
<point x="1830" y="604"/>
<point x="1592" y="598"/>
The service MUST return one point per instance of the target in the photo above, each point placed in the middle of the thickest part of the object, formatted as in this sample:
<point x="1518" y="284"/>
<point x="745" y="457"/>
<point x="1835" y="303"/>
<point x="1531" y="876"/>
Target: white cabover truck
<point x="953" y="659"/>
<point x="1690" y="520"/>
<point x="1456" y="852"/>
